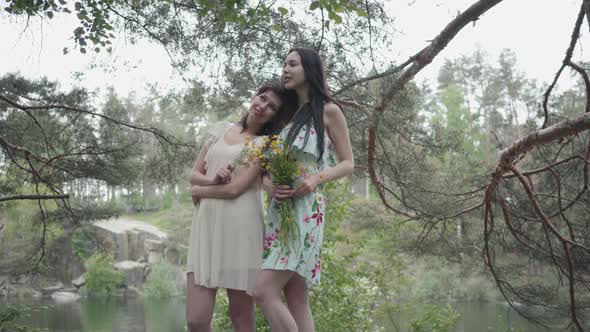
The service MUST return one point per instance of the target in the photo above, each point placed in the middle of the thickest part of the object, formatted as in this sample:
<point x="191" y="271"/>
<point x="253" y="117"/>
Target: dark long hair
<point x="311" y="114"/>
<point x="284" y="113"/>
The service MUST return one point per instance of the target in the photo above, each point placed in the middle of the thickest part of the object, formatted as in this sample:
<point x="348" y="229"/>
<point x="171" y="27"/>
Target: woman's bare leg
<point x="241" y="310"/>
<point x="267" y="295"/>
<point x="200" y="303"/>
<point x="297" y="296"/>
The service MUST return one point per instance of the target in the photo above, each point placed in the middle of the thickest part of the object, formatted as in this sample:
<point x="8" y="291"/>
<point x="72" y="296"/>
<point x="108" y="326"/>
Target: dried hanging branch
<point x="559" y="241"/>
<point x="407" y="71"/>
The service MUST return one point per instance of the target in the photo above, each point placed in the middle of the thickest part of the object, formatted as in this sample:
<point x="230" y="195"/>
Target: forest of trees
<point x="488" y="165"/>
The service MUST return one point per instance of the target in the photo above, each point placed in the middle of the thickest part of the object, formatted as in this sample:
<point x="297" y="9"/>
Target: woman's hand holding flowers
<point x="307" y="186"/>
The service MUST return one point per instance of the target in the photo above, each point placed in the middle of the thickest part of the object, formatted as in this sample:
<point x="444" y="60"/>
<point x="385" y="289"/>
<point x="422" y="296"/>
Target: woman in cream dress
<point x="225" y="249"/>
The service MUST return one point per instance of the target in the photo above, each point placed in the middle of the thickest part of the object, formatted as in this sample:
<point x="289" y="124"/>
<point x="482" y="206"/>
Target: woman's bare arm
<point x="335" y="122"/>
<point x="198" y="174"/>
<point x="233" y="189"/>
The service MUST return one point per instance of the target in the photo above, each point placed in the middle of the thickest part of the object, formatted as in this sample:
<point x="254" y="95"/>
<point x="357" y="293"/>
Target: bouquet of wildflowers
<point x="273" y="156"/>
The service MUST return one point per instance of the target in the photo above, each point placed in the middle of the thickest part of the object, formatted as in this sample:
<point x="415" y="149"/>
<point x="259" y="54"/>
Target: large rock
<point x="128" y="292"/>
<point x="79" y="282"/>
<point x="127" y="237"/>
<point x="4" y="279"/>
<point x="65" y="297"/>
<point x="47" y="291"/>
<point x="172" y="255"/>
<point x="153" y="245"/>
<point x="20" y="279"/>
<point x="65" y="264"/>
<point x="132" y="271"/>
<point x="155" y="250"/>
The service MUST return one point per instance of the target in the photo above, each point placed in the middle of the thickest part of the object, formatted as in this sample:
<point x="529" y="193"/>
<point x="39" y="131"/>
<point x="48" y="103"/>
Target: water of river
<point x="138" y="315"/>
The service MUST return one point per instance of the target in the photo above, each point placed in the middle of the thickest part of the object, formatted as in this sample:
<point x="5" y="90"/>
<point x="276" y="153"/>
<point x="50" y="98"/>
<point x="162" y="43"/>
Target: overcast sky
<point x="538" y="31"/>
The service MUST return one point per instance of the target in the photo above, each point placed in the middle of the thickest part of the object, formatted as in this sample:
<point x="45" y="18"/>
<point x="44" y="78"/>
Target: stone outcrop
<point x="155" y="250"/>
<point x="133" y="272"/>
<point x="126" y="238"/>
<point x="48" y="291"/>
<point x="135" y="245"/>
<point x="79" y="282"/>
<point x="65" y="297"/>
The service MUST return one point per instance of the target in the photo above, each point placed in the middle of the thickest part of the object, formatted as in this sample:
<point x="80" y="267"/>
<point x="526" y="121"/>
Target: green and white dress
<point x="302" y="255"/>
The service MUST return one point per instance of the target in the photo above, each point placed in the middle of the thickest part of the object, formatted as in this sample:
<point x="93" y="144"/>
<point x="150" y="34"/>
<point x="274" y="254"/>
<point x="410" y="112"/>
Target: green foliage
<point x="11" y="314"/>
<point x="96" y="19"/>
<point x="80" y="244"/>
<point x="21" y="233"/>
<point x="101" y="277"/>
<point x="436" y="280"/>
<point x="436" y="319"/>
<point x="221" y="321"/>
<point x="348" y="286"/>
<point x="160" y="283"/>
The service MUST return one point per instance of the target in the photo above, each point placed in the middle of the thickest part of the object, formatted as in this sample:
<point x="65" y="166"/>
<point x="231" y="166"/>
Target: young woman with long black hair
<point x="318" y="138"/>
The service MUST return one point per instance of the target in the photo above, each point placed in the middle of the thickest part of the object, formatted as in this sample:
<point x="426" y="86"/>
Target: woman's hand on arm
<point x="198" y="174"/>
<point x="224" y="175"/>
<point x="233" y="189"/>
<point x="335" y="123"/>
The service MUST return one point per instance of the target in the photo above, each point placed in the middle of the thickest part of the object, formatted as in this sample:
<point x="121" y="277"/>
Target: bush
<point x="160" y="283"/>
<point x="10" y="316"/>
<point x="101" y="277"/>
<point x="436" y="318"/>
<point x="442" y="281"/>
<point x="82" y="244"/>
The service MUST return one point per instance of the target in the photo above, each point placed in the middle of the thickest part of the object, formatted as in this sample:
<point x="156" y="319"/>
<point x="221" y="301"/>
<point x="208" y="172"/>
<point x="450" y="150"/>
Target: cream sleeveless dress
<point x="225" y="248"/>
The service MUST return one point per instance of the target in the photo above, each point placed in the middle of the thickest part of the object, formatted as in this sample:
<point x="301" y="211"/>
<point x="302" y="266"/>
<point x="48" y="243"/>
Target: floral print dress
<point x="302" y="255"/>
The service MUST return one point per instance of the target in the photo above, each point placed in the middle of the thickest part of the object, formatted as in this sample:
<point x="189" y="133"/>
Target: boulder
<point x="4" y="280"/>
<point x="79" y="282"/>
<point x="133" y="272"/>
<point x="154" y="257"/>
<point x="20" y="279"/>
<point x="65" y="297"/>
<point x="21" y="292"/>
<point x="128" y="292"/>
<point x="154" y="248"/>
<point x="172" y="255"/>
<point x="153" y="245"/>
<point x="47" y="291"/>
<point x="126" y="238"/>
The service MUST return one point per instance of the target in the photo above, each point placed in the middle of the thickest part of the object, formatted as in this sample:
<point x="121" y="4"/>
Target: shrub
<point x="436" y="318"/>
<point x="101" y="277"/>
<point x="160" y="283"/>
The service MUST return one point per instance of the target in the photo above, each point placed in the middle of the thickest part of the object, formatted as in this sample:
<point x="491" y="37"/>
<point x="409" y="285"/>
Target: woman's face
<point x="293" y="73"/>
<point x="264" y="107"/>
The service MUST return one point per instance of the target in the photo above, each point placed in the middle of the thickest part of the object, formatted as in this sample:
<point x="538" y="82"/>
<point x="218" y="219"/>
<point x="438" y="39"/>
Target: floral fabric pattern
<point x="302" y="255"/>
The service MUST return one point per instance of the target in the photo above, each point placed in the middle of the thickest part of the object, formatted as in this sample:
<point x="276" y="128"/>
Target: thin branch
<point x="155" y="131"/>
<point x="566" y="60"/>
<point x="386" y="73"/>
<point x="427" y="54"/>
<point x="32" y="197"/>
